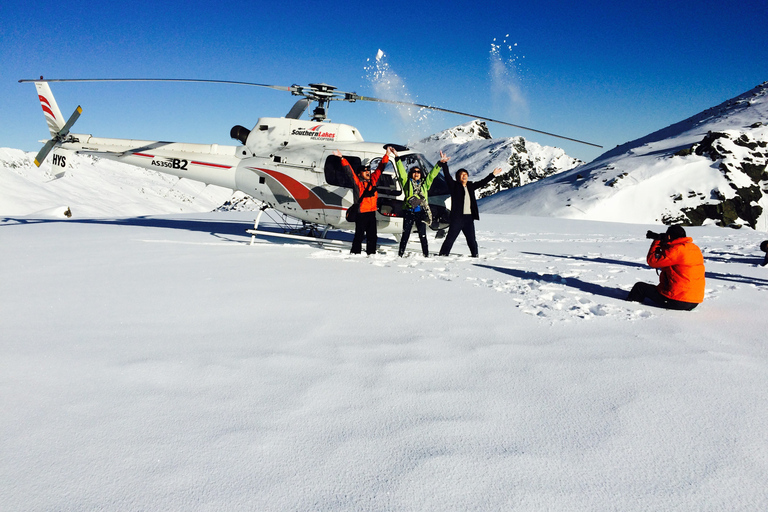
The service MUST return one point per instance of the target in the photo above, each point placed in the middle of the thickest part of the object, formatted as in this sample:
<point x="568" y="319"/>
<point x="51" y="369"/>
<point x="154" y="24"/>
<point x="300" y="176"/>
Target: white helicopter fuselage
<point x="286" y="163"/>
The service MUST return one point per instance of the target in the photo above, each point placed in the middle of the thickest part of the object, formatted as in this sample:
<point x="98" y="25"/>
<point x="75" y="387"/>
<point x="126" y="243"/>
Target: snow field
<point x="165" y="363"/>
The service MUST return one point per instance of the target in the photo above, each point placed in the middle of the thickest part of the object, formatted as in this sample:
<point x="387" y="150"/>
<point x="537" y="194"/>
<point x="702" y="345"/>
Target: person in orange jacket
<point x="681" y="281"/>
<point x="367" y="197"/>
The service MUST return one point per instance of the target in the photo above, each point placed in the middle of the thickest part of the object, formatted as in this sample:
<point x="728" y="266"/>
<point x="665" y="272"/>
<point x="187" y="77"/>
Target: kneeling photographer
<point x="681" y="265"/>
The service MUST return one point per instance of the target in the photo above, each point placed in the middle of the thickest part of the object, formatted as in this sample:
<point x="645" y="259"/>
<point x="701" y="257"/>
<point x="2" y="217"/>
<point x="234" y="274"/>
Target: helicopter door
<point x="339" y="183"/>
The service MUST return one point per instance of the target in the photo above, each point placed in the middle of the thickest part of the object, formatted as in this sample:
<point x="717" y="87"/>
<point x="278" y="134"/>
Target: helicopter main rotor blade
<point x="315" y="92"/>
<point x="194" y="80"/>
<point x="439" y="109"/>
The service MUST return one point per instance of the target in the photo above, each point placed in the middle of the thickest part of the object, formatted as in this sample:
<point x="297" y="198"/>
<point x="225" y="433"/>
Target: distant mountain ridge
<point x="471" y="147"/>
<point x="709" y="168"/>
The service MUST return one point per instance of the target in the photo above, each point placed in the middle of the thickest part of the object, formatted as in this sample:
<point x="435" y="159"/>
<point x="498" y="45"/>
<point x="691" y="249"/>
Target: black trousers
<point x="642" y="291"/>
<point x="365" y="227"/>
<point x="464" y="224"/>
<point x="409" y="219"/>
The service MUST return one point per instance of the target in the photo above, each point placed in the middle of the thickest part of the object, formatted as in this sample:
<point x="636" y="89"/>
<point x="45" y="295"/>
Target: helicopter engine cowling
<point x="239" y="133"/>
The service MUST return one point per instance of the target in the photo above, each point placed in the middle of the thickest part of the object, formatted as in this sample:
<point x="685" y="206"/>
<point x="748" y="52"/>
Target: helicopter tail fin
<point x="50" y="109"/>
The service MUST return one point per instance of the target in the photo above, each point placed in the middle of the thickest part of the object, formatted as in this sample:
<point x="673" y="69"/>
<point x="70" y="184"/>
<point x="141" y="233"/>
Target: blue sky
<point x="604" y="72"/>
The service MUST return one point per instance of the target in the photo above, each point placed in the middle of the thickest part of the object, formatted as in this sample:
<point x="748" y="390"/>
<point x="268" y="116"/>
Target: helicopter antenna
<point x="320" y="93"/>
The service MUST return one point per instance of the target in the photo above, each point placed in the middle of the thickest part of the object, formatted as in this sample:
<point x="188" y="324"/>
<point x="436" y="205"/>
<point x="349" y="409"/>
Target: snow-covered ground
<point x="163" y="363"/>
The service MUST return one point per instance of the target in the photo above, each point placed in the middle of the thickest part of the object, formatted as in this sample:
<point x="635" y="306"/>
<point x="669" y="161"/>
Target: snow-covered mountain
<point x="471" y="147"/>
<point x="710" y="168"/>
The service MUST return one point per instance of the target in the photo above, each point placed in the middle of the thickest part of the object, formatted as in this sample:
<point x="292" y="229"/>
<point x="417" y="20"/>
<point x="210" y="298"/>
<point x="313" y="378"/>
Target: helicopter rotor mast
<point x="321" y="93"/>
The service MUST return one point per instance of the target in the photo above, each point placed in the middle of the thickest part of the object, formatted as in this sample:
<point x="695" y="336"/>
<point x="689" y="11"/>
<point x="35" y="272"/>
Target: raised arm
<point x="483" y="182"/>
<point x="402" y="175"/>
<point x="432" y="175"/>
<point x="348" y="168"/>
<point x="443" y="162"/>
<point x="380" y="168"/>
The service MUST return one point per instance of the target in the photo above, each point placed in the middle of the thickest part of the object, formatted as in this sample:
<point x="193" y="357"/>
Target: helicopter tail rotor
<point x="58" y="128"/>
<point x="60" y="136"/>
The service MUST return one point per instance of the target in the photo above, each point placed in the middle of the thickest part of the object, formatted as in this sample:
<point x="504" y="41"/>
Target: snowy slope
<point x="472" y="147"/>
<point x="708" y="168"/>
<point x="163" y="363"/>
<point x="94" y="187"/>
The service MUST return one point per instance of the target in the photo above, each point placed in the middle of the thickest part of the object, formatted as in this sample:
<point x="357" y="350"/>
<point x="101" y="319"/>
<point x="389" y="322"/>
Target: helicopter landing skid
<point x="303" y="238"/>
<point x="293" y="234"/>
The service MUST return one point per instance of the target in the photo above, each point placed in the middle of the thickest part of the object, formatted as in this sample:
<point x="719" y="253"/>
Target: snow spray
<point x="505" y="79"/>
<point x="387" y="84"/>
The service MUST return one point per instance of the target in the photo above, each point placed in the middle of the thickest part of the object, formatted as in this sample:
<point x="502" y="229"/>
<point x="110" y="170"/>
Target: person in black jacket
<point x="464" y="211"/>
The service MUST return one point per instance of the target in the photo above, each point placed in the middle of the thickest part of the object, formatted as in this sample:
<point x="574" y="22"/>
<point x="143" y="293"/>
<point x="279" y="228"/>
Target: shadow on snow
<point x="736" y="278"/>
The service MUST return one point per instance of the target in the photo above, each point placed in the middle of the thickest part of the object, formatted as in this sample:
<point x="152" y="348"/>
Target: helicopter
<point x="286" y="163"/>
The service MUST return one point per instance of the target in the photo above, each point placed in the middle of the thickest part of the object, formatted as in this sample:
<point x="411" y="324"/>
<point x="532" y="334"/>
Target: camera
<point x="415" y="201"/>
<point x="657" y="236"/>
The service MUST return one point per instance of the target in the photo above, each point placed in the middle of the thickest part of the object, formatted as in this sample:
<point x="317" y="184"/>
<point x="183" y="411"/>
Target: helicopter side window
<point x="387" y="185"/>
<point x="336" y="175"/>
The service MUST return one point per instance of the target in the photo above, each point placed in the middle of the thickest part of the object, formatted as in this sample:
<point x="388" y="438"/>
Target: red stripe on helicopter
<point x="307" y="199"/>
<point x="194" y="162"/>
<point x="43" y="99"/>
<point x="212" y="165"/>
<point x="47" y="110"/>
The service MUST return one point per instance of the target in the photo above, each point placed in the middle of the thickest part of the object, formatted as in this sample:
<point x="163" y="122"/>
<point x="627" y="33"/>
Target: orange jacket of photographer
<point x="682" y="269"/>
